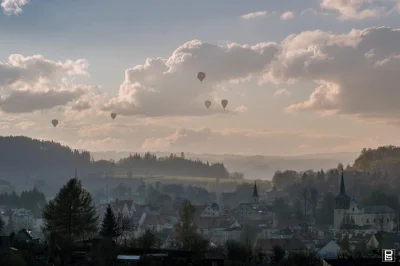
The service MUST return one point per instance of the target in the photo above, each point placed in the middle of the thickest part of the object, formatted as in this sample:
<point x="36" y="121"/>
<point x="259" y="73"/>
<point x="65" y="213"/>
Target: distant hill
<point x="258" y="166"/>
<point x="383" y="159"/>
<point x="23" y="158"/>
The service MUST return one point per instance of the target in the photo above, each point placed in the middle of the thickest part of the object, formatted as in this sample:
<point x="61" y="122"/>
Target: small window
<point x="353" y="209"/>
<point x="367" y="221"/>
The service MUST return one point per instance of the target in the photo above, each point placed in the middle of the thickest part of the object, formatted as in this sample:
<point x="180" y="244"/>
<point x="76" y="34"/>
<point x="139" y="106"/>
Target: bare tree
<point x="379" y="220"/>
<point x="237" y="175"/>
<point x="125" y="225"/>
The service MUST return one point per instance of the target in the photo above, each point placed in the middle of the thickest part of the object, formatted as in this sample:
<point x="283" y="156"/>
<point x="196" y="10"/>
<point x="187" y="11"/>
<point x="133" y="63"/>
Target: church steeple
<point x="76" y="173"/>
<point x="255" y="192"/>
<point x="342" y="200"/>
<point x="255" y="195"/>
<point x="342" y="188"/>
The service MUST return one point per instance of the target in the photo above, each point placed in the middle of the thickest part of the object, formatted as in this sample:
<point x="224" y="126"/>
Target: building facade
<point x="348" y="213"/>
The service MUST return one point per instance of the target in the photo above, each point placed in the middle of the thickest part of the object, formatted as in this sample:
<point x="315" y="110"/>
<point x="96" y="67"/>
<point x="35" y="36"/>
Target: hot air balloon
<point x="208" y="104"/>
<point x="201" y="76"/>
<point x="224" y="103"/>
<point x="54" y="122"/>
<point x="113" y="115"/>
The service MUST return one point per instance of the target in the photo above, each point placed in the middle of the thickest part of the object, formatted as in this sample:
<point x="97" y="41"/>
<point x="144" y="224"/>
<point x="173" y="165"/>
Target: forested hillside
<point x="383" y="159"/>
<point x="36" y="157"/>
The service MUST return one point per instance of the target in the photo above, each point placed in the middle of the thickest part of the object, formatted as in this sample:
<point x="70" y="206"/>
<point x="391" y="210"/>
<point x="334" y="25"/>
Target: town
<point x="321" y="217"/>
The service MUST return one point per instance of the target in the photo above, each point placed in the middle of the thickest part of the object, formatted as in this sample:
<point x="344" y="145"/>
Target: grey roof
<point x="377" y="209"/>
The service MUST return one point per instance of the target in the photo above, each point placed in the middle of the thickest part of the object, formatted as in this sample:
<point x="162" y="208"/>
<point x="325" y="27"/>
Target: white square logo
<point x="388" y="255"/>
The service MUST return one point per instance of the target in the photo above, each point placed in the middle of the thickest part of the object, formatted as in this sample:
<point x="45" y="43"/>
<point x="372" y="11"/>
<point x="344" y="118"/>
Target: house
<point x="27" y="236"/>
<point x="330" y="250"/>
<point x="384" y="240"/>
<point x="38" y="220"/>
<point x="212" y="210"/>
<point x="156" y="222"/>
<point x="22" y="218"/>
<point x="292" y="245"/>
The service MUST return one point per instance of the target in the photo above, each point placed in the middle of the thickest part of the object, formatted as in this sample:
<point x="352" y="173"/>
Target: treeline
<point x="20" y="154"/>
<point x="383" y="159"/>
<point x="34" y="155"/>
<point x="27" y="199"/>
<point x="171" y="165"/>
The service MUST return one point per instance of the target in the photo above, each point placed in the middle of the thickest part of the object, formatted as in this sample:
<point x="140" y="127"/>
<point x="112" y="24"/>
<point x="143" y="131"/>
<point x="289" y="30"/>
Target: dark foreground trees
<point x="71" y="214"/>
<point x="109" y="226"/>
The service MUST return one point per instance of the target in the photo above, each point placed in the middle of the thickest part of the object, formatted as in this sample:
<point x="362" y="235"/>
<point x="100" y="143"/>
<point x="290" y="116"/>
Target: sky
<point x="300" y="76"/>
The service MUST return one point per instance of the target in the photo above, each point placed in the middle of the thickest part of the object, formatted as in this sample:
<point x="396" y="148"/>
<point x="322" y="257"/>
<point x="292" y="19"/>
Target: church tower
<point x="256" y="198"/>
<point x="342" y="204"/>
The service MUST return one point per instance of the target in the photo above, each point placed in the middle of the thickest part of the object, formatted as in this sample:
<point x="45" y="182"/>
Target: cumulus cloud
<point x="254" y="15"/>
<point x="359" y="9"/>
<point x="355" y="73"/>
<point x="169" y="87"/>
<point x="13" y="7"/>
<point x="34" y="83"/>
<point x="282" y="92"/>
<point x="287" y="15"/>
<point x="182" y="137"/>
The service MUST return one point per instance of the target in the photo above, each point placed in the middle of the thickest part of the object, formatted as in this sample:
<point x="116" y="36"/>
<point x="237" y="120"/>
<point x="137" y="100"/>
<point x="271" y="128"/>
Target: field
<point x="208" y="183"/>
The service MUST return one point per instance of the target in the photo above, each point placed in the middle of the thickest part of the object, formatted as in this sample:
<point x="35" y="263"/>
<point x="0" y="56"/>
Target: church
<point x="348" y="214"/>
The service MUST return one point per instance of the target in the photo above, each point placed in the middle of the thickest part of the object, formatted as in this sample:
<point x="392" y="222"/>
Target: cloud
<point x="34" y="83"/>
<point x="252" y="141"/>
<point x="287" y="15"/>
<point x="181" y="138"/>
<point x="13" y="7"/>
<point x="282" y="92"/>
<point x="169" y="87"/>
<point x="254" y="15"/>
<point x="359" y="9"/>
<point x="355" y="73"/>
<point x="25" y="101"/>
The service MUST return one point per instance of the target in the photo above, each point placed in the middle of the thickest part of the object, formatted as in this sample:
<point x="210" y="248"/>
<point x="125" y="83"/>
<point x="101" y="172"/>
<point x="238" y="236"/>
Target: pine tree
<point x="1" y="225"/>
<point x="109" y="225"/>
<point x="71" y="214"/>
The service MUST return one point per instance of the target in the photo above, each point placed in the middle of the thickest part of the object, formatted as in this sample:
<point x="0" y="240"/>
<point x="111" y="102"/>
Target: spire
<point x="76" y="173"/>
<point x="255" y="192"/>
<point x="342" y="188"/>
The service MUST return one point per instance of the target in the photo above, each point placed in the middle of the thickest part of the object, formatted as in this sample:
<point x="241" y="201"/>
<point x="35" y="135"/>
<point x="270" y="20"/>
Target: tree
<point x="186" y="229"/>
<point x="278" y="254"/>
<point x="281" y="209"/>
<point x="10" y="225"/>
<point x="344" y="246"/>
<point x="237" y="175"/>
<point x="379" y="220"/>
<point x="147" y="240"/>
<point x="314" y="201"/>
<point x="71" y="214"/>
<point x="325" y="213"/>
<point x="125" y="224"/>
<point x="236" y="251"/>
<point x="109" y="226"/>
<point x="1" y="225"/>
